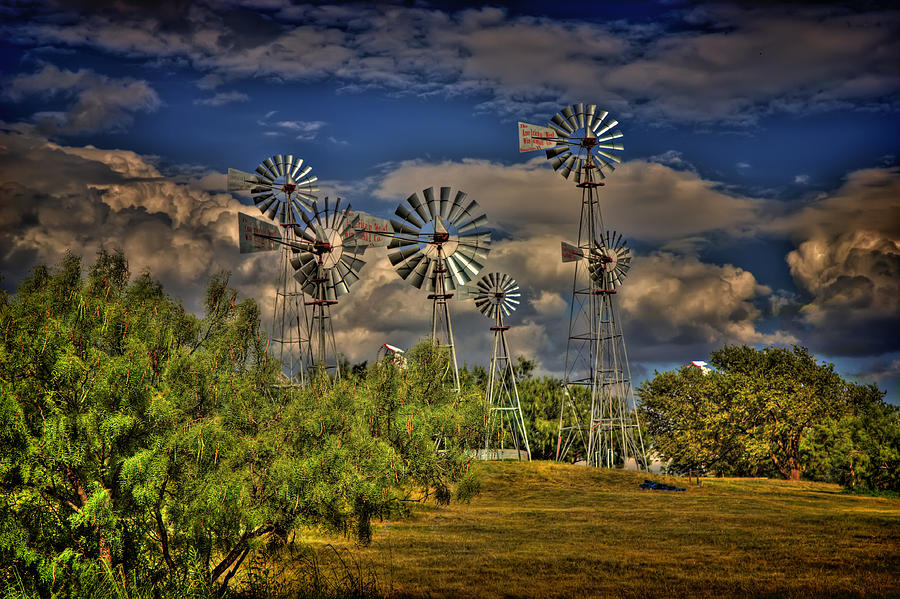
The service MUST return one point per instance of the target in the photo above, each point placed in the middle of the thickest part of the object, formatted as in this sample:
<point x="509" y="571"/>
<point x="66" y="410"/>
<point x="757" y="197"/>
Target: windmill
<point x="281" y="187"/>
<point x="497" y="295"/>
<point x="326" y="262"/>
<point x="439" y="242"/>
<point x="581" y="142"/>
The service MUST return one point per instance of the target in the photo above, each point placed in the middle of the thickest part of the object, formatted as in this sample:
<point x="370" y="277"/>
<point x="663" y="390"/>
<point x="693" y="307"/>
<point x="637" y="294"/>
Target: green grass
<point x="552" y="530"/>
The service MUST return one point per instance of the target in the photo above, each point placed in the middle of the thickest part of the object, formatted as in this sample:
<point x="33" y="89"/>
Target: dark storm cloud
<point x="723" y="62"/>
<point x="96" y="102"/>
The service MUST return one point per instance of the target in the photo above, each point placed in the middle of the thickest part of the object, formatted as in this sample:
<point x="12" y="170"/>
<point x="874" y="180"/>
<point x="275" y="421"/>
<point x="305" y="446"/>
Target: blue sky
<point x="760" y="191"/>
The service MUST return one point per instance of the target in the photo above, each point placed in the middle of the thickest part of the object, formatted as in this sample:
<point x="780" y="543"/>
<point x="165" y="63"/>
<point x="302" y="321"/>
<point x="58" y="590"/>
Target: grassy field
<point x="551" y="530"/>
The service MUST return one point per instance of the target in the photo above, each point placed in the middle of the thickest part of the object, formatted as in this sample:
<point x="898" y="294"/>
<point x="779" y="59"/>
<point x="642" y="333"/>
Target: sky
<point x="759" y="189"/>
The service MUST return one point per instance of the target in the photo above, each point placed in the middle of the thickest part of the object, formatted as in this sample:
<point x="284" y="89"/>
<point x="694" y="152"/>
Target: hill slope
<point x="551" y="530"/>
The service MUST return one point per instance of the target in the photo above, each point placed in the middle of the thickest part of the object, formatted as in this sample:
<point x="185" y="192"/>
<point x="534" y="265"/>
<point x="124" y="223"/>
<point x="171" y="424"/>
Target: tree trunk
<point x="104" y="549"/>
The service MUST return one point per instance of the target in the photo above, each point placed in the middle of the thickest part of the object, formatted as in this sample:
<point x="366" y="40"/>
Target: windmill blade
<point x="445" y="202"/>
<point x="556" y="151"/>
<point x="601" y="131"/>
<point x="560" y="160"/>
<point x="405" y="269"/>
<point x="579" y="115"/>
<point x="457" y="273"/>
<point x="431" y="203"/>
<point x="559" y="121"/>
<point x="420" y="209"/>
<point x="283" y="213"/>
<point x="295" y="171"/>
<point x="567" y="167"/>
<point x="458" y="206"/>
<point x="461" y="212"/>
<point x="269" y="163"/>
<point x="497" y="293"/>
<point x="265" y="172"/>
<point x="404" y="213"/>
<point x="579" y="165"/>
<point x="403" y="254"/>
<point x="599" y="117"/>
<point x="347" y="273"/>
<point x="569" y="115"/>
<point x="263" y="202"/>
<point x="418" y="274"/>
<point x="470" y="264"/>
<point x="479" y="221"/>
<point x="589" y="111"/>
<point x="475" y="239"/>
<point x="402" y="228"/>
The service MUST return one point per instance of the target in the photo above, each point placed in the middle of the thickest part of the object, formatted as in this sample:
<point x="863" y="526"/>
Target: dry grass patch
<point x="551" y="530"/>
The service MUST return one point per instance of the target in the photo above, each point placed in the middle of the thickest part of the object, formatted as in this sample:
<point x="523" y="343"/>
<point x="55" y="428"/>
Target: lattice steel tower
<point x="281" y="187"/>
<point x="597" y="419"/>
<point x="497" y="295"/>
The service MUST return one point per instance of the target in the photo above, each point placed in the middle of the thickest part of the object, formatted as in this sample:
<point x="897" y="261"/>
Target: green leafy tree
<point x="859" y="451"/>
<point x="751" y="415"/>
<point x="144" y="444"/>
<point x="694" y="423"/>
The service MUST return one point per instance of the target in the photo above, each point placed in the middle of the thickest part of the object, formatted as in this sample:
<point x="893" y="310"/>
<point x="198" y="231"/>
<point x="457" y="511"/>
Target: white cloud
<point x="643" y="200"/>
<point x="118" y="199"/>
<point x="223" y="98"/>
<point x="549" y="302"/>
<point x="678" y="304"/>
<point x="305" y="130"/>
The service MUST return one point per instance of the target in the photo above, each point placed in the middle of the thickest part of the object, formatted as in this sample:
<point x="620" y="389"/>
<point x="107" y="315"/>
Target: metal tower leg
<point x="441" y="326"/>
<point x="290" y="323"/>
<point x="323" y="349"/>
<point x="505" y="419"/>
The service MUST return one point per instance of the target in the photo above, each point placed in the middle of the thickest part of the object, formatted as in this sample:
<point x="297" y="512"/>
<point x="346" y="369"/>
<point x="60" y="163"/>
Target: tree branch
<point x="160" y="525"/>
<point x="238" y="548"/>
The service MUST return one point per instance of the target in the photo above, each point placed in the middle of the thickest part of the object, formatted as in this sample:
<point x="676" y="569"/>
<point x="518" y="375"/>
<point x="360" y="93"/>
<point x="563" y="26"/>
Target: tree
<point x="859" y="451"/>
<point x="751" y="414"/>
<point x="149" y="446"/>
<point x="693" y="423"/>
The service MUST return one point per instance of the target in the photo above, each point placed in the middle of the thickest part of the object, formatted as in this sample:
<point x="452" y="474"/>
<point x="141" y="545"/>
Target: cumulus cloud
<point x="725" y="62"/>
<point x="97" y="102"/>
<point x="117" y="199"/>
<point x="854" y="280"/>
<point x="680" y="306"/>
<point x="847" y="261"/>
<point x="644" y="200"/>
